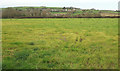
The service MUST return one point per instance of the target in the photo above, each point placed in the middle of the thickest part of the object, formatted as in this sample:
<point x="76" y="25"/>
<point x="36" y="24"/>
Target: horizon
<point x="86" y="4"/>
<point x="59" y="7"/>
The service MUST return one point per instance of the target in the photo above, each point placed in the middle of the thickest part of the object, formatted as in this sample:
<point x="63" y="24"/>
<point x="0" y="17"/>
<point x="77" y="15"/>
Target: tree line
<point x="44" y="13"/>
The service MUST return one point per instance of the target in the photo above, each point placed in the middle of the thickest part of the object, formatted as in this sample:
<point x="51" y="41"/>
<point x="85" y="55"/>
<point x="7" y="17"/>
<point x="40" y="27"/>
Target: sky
<point x="83" y="4"/>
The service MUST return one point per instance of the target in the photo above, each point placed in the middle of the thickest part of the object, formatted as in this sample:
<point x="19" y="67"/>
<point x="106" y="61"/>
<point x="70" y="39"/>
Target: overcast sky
<point x="84" y="4"/>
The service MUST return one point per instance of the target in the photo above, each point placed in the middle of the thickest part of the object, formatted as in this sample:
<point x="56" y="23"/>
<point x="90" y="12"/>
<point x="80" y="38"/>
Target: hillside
<point x="57" y="12"/>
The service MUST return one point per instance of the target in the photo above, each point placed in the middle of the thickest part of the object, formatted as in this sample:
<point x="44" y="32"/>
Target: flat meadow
<point x="60" y="43"/>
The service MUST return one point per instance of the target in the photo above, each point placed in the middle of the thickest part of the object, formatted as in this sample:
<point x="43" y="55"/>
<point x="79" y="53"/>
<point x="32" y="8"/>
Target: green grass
<point x="78" y="43"/>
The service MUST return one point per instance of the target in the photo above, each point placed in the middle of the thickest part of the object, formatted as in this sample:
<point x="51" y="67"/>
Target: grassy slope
<point x="60" y="43"/>
<point x="76" y="13"/>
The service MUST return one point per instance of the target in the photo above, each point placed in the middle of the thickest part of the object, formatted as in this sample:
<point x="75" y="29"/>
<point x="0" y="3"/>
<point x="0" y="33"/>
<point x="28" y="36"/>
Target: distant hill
<point x="55" y="12"/>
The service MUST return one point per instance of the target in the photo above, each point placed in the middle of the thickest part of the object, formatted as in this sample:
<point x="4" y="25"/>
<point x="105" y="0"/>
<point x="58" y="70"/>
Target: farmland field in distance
<point x="70" y="43"/>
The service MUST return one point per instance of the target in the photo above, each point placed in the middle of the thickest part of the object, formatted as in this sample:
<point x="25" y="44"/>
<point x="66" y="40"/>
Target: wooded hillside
<point x="56" y="12"/>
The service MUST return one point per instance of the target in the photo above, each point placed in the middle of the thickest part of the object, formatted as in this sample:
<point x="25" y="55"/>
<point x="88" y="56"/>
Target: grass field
<point x="79" y="43"/>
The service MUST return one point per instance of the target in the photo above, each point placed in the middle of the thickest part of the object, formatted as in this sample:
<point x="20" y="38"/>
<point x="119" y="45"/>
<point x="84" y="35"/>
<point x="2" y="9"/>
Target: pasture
<point x="69" y="43"/>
